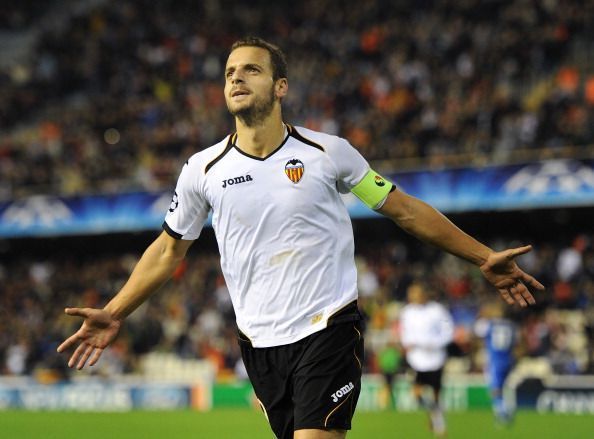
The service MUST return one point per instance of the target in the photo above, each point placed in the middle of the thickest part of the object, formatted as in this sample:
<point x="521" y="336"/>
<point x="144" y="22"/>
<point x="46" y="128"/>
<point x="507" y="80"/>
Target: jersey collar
<point x="233" y="140"/>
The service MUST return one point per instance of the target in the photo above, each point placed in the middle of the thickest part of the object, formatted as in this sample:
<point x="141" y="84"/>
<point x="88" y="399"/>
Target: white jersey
<point x="284" y="234"/>
<point x="426" y="330"/>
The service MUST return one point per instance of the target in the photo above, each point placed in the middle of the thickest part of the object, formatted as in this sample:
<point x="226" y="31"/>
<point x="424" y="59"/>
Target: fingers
<point x="80" y="350"/>
<point x="529" y="297"/>
<point x="68" y="342"/>
<point x="96" y="356"/>
<point x="515" y="288"/>
<point x="517" y="293"/>
<point x="82" y="354"/>
<point x="79" y="312"/>
<point x="506" y="296"/>
<point x="526" y="278"/>
<point x="525" y="293"/>
<point x="522" y="293"/>
<point x="85" y="356"/>
<point x="515" y="252"/>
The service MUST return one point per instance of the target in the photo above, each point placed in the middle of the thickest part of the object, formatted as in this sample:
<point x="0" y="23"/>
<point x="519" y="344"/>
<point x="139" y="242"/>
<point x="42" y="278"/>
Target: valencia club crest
<point x="294" y="170"/>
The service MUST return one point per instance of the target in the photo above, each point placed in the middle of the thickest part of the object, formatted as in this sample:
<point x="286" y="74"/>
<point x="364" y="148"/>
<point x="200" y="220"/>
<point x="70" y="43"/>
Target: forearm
<point x="427" y="224"/>
<point x="154" y="268"/>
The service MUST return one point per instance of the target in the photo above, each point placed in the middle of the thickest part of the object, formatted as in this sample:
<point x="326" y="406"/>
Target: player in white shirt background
<point x="426" y="329"/>
<point x="287" y="251"/>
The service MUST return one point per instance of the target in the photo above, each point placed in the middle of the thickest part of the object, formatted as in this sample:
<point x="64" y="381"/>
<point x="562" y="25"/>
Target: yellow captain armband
<point x="372" y="189"/>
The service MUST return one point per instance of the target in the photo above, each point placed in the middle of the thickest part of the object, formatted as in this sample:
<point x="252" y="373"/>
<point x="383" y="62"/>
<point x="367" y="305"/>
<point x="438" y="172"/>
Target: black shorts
<point x="312" y="383"/>
<point x="431" y="378"/>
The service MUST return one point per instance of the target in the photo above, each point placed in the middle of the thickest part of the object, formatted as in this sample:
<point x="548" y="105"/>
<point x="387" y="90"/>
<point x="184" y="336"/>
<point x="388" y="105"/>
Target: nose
<point x="236" y="77"/>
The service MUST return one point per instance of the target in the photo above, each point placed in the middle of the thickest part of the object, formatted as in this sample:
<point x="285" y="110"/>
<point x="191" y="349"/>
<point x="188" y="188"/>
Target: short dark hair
<point x="277" y="57"/>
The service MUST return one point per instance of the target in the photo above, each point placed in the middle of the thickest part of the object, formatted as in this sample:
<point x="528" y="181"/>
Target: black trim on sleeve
<point x="170" y="231"/>
<point x="228" y="147"/>
<point x="393" y="187"/>
<point x="293" y="132"/>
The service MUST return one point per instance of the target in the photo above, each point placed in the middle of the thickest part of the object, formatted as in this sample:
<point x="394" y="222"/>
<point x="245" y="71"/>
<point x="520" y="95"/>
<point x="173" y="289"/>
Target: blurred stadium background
<point x="485" y="109"/>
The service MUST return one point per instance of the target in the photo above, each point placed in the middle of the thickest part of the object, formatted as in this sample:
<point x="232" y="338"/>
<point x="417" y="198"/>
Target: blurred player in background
<point x="426" y="330"/>
<point x="500" y="336"/>
<point x="287" y="251"/>
<point x="389" y="359"/>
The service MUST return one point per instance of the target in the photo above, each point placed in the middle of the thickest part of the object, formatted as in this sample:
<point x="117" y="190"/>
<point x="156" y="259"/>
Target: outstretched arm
<point x="426" y="223"/>
<point x="101" y="326"/>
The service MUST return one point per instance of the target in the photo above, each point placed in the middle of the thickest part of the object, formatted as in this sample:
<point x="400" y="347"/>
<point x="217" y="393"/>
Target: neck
<point x="260" y="140"/>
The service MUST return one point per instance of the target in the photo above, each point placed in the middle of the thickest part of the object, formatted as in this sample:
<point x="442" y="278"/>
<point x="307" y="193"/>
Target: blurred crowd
<point x="16" y="16"/>
<point x="192" y="315"/>
<point x="122" y="95"/>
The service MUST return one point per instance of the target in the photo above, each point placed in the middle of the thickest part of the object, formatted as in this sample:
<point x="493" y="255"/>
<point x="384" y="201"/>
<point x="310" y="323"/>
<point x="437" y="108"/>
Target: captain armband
<point x="373" y="189"/>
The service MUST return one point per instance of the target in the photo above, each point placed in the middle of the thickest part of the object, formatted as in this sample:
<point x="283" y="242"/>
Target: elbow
<point x="404" y="217"/>
<point x="168" y="252"/>
<point x="405" y="222"/>
<point x="171" y="257"/>
<point x="400" y="208"/>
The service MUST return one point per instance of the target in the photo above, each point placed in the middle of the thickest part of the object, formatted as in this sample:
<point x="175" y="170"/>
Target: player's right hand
<point x="98" y="330"/>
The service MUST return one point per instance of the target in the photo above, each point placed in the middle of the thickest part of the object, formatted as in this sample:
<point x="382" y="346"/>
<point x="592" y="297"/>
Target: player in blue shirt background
<point x="500" y="337"/>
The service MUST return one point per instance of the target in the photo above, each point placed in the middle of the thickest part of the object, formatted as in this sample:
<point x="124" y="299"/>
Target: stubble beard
<point x="256" y="113"/>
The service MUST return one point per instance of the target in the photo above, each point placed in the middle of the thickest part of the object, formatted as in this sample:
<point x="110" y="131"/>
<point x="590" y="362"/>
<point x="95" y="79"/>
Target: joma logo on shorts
<point x="342" y="391"/>
<point x="236" y="180"/>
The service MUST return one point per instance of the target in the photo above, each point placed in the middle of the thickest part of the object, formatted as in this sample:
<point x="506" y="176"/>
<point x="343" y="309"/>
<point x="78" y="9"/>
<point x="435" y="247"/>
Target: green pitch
<point x="248" y="424"/>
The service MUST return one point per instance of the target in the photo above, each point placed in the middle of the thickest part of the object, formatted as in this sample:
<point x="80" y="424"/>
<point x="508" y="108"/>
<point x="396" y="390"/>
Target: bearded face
<point x="254" y="109"/>
<point x="250" y="91"/>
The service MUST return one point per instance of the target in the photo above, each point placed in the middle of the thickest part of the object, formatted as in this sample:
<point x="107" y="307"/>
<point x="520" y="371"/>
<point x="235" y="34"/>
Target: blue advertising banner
<point x="95" y="396"/>
<point x="554" y="183"/>
<point x="549" y="184"/>
<point x="50" y="216"/>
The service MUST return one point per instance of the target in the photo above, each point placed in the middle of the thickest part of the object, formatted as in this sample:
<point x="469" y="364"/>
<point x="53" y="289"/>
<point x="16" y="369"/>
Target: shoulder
<point x="407" y="310"/>
<point x="205" y="159"/>
<point x="323" y="141"/>
<point x="437" y="308"/>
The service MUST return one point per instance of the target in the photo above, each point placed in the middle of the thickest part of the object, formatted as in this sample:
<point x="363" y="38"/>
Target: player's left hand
<point x="501" y="270"/>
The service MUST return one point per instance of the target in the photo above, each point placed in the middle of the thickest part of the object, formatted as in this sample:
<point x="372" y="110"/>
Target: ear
<point x="281" y="88"/>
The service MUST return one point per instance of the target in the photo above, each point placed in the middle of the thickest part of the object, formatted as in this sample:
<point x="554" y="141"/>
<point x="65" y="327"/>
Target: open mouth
<point x="239" y="93"/>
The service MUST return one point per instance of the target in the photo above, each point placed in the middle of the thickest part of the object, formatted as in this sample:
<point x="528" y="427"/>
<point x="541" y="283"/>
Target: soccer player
<point x="287" y="252"/>
<point x="389" y="359"/>
<point x="426" y="328"/>
<point x="500" y="337"/>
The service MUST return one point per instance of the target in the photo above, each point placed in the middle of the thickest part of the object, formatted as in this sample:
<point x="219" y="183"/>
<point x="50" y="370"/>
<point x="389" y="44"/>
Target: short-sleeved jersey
<point x="500" y="338"/>
<point x="426" y="330"/>
<point x="284" y="234"/>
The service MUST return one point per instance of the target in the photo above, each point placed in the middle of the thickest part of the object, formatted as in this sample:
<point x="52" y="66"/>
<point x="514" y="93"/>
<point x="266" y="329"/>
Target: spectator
<point x="111" y="100"/>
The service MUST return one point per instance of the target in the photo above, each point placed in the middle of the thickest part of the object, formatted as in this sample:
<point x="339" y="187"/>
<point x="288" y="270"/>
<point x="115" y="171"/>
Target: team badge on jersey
<point x="294" y="170"/>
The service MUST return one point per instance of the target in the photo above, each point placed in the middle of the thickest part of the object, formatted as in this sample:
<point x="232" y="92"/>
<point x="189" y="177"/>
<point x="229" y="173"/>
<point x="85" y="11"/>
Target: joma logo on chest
<point x="236" y="180"/>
